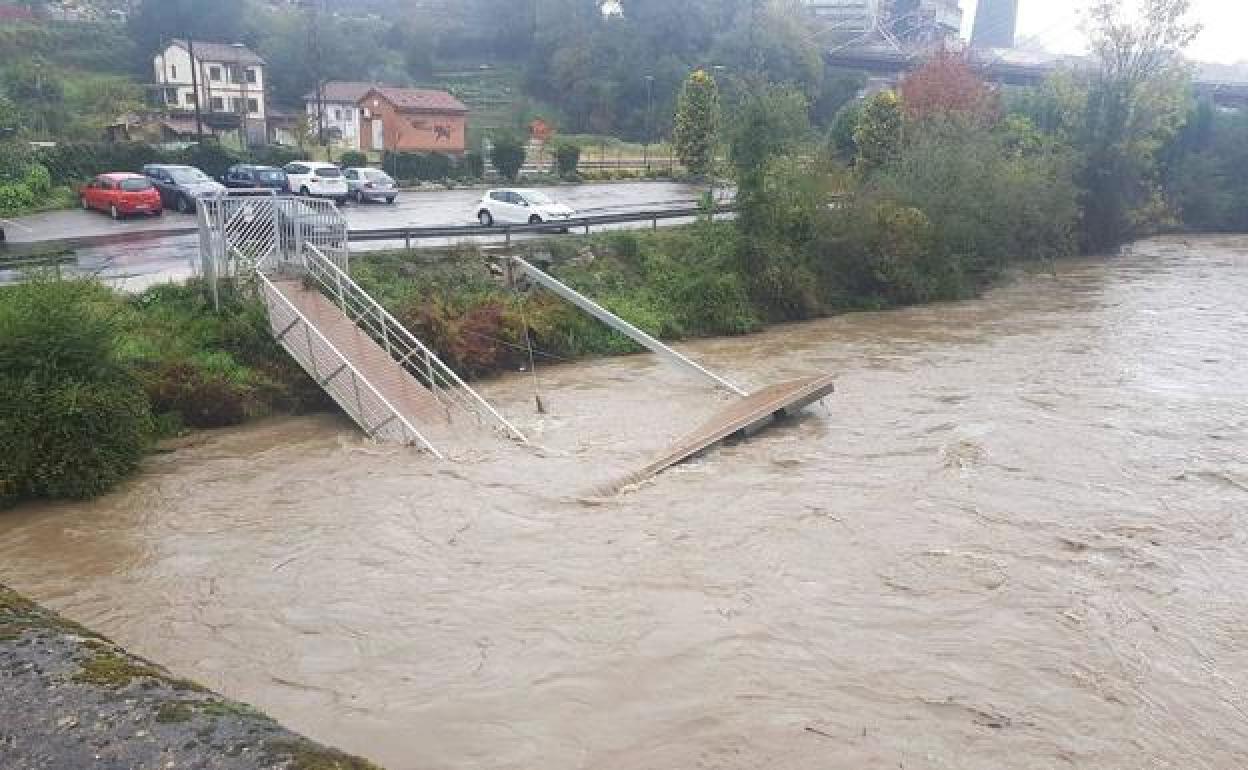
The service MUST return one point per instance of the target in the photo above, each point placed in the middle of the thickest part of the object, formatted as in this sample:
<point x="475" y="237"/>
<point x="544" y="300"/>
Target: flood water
<point x="1016" y="538"/>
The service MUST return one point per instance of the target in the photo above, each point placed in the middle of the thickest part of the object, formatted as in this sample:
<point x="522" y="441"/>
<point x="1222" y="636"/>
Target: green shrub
<point x="471" y="166"/>
<point x="73" y="421"/>
<point x="276" y="155"/>
<point x="567" y="158"/>
<point x="507" y="156"/>
<point x="196" y="395"/>
<point x="15" y="199"/>
<point x="352" y="159"/>
<point x="418" y="166"/>
<point x="16" y="158"/>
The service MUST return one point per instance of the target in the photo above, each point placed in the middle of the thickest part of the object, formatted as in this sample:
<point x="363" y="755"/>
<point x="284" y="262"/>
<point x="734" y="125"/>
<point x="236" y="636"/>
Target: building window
<point x="348" y="115"/>
<point x="214" y="73"/>
<point x="218" y="103"/>
<point x="171" y="96"/>
<point x="251" y="75"/>
<point x="253" y="105"/>
<point x="337" y="114"/>
<point x="173" y="71"/>
<point x="190" y="98"/>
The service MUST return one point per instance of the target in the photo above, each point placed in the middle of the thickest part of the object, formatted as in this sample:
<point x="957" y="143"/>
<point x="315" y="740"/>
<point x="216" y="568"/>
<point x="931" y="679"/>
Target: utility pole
<point x="649" y="119"/>
<point x="195" y="84"/>
<point x="240" y="72"/>
<point x="314" y="45"/>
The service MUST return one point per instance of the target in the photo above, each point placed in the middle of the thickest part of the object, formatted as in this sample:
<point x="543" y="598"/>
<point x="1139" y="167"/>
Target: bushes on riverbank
<point x="89" y="379"/>
<point x="73" y="420"/>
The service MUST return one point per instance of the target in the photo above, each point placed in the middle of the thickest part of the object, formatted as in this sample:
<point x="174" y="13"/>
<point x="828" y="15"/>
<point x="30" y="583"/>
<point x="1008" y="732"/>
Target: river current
<point x="1017" y="537"/>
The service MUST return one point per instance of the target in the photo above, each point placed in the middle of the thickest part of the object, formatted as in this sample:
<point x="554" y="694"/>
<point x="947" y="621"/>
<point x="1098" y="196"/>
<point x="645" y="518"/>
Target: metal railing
<point x="335" y="373"/>
<point x="409" y="234"/>
<point x="401" y="345"/>
<point x="250" y="230"/>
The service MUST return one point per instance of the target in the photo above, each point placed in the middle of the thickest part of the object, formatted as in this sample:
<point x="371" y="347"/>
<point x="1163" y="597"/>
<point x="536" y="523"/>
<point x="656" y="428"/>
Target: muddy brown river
<point x="1016" y="538"/>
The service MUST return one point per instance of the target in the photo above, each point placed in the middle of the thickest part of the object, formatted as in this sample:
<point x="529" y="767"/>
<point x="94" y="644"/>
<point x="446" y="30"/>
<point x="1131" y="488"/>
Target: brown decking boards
<point x="743" y="416"/>
<point x="392" y="381"/>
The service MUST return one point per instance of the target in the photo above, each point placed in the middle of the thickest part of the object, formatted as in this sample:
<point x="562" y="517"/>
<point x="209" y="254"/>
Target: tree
<point x="697" y="123"/>
<point x="567" y="158"/>
<point x="946" y="86"/>
<point x="772" y="121"/>
<point x="507" y="155"/>
<point x="841" y="136"/>
<point x="878" y="134"/>
<point x="1135" y="104"/>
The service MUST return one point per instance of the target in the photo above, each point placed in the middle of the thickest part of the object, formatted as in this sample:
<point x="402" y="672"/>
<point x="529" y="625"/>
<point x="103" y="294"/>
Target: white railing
<point x="411" y="354"/>
<point x="249" y="230"/>
<point x="335" y="373"/>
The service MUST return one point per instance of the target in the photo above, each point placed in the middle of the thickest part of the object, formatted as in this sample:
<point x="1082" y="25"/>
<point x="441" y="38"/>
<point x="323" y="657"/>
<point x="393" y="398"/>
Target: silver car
<point x="370" y="184"/>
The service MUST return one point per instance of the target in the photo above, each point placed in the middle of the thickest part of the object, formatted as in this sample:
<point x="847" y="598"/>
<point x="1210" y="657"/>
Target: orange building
<point x="412" y="119"/>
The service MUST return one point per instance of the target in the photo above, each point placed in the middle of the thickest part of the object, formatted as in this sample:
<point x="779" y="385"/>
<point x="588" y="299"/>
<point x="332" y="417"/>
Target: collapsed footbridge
<point x="391" y="384"/>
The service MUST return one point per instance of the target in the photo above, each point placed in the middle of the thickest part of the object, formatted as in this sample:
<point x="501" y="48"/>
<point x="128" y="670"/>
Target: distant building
<point x="925" y="22"/>
<point x="341" y="110"/>
<point x="848" y="17"/>
<point x="913" y="22"/>
<point x="996" y="22"/>
<point x="412" y="119"/>
<point x="231" y="85"/>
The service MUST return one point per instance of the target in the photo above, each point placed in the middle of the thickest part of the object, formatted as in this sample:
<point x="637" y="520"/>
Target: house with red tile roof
<point x="412" y="119"/>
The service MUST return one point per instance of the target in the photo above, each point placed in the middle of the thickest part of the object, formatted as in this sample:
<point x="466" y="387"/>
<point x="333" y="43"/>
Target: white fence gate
<point x="251" y="230"/>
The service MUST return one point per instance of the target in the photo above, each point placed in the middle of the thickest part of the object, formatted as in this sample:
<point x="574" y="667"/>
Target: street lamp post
<point x="649" y="120"/>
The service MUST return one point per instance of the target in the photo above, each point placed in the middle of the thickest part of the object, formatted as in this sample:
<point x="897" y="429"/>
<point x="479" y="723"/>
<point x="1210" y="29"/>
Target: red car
<point x="121" y="194"/>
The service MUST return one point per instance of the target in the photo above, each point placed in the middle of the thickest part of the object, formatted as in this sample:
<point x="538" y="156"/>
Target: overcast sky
<point x="1057" y="25"/>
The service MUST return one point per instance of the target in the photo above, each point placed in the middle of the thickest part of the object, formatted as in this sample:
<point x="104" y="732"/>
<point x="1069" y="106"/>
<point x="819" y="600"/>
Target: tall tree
<point x="1135" y="104"/>
<point x="697" y="123"/>
<point x="878" y="134"/>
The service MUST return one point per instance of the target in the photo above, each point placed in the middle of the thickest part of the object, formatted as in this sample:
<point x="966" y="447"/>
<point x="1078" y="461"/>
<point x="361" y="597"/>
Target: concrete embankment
<point x="70" y="699"/>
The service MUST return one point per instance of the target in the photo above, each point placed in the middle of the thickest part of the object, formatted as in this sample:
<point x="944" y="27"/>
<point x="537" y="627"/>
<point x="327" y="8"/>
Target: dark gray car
<point x="181" y="186"/>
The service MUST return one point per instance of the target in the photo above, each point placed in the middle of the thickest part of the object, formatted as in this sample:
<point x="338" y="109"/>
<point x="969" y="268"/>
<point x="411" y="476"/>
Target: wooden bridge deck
<point x="397" y="385"/>
<point x="743" y="417"/>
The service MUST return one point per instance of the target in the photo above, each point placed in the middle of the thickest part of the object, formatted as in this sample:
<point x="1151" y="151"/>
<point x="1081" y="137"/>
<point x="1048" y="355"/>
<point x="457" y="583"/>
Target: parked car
<point x="121" y="194"/>
<point x="181" y="186"/>
<point x="526" y="207"/>
<point x="317" y="180"/>
<point x="249" y="177"/>
<point x="370" y="184"/>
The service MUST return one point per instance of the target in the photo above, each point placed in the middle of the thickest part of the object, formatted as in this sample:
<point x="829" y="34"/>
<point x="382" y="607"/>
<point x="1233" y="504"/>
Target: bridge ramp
<point x="431" y="416"/>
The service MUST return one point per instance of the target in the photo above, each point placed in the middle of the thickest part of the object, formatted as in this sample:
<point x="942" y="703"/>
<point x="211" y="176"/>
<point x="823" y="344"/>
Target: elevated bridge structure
<point x="891" y="63"/>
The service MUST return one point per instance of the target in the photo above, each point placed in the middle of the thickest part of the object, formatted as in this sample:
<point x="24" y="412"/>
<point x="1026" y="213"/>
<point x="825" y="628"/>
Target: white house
<point x="340" y="101"/>
<point x="230" y="78"/>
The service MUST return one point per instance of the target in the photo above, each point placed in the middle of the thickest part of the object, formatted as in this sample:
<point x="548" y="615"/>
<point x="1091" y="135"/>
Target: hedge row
<point x="432" y="166"/>
<point x="73" y="162"/>
<point x="70" y="163"/>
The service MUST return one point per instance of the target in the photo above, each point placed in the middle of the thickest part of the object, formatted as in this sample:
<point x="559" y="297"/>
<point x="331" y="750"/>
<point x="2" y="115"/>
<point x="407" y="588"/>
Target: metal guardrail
<point x="410" y="353"/>
<point x="405" y="234"/>
<point x="409" y="234"/>
<point x="334" y="372"/>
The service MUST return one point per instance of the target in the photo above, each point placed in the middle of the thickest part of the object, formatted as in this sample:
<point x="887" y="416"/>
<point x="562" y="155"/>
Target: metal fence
<point x="251" y="230"/>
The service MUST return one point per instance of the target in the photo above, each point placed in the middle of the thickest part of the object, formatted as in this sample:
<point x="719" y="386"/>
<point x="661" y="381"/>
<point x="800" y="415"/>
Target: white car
<point x="521" y="207"/>
<point x="371" y="184"/>
<point x="317" y="180"/>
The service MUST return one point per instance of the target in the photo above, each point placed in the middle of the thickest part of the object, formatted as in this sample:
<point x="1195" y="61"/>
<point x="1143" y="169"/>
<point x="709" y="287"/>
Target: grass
<point x="114" y="671"/>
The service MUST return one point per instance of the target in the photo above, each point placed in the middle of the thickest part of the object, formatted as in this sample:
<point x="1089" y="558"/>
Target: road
<point x="160" y="249"/>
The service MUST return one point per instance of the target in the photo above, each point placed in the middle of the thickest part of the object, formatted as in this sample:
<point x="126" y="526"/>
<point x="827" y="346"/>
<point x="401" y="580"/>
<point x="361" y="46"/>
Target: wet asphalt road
<point x="143" y="256"/>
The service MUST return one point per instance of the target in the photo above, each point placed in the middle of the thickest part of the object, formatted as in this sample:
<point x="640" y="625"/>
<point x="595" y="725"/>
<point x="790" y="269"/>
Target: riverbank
<point x="70" y="698"/>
